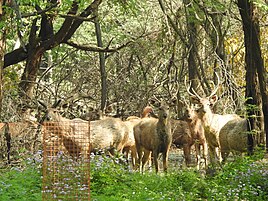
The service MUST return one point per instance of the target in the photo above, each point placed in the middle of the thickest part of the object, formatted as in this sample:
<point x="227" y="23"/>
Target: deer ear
<point x="194" y="99"/>
<point x="213" y="99"/>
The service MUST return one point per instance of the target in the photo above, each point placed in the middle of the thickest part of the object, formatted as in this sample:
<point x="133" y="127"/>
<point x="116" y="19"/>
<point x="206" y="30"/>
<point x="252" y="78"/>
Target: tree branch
<point x="77" y="22"/>
<point x="39" y="11"/>
<point x="16" y="56"/>
<point x="75" y="17"/>
<point x="95" y="48"/>
<point x="68" y="28"/>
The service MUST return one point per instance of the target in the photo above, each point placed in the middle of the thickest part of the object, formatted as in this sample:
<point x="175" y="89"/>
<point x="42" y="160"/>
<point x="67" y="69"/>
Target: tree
<point x="2" y="48"/>
<point x="254" y="64"/>
<point x="102" y="63"/>
<point x="38" y="44"/>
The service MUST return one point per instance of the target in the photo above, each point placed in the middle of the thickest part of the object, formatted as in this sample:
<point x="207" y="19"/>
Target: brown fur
<point x="16" y="135"/>
<point x="154" y="135"/>
<point x="198" y="135"/>
<point x="71" y="135"/>
<point x="182" y="138"/>
<point x="189" y="132"/>
<point x="130" y="145"/>
<point x="130" y="122"/>
<point x="109" y="133"/>
<point x="233" y="137"/>
<point x="106" y="134"/>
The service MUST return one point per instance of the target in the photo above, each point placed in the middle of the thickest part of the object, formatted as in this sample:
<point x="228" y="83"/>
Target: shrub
<point x="20" y="184"/>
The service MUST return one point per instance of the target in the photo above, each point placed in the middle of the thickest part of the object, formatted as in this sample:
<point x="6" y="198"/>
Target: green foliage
<point x="260" y="4"/>
<point x="20" y="184"/>
<point x="111" y="179"/>
<point x="244" y="179"/>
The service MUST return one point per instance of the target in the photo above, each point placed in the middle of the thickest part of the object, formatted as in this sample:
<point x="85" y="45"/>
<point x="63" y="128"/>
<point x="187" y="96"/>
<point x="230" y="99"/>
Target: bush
<point x="244" y="179"/>
<point x="112" y="179"/>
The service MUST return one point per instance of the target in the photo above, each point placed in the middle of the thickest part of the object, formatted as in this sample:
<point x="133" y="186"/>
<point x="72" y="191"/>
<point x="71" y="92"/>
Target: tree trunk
<point x="30" y="72"/>
<point x="192" y="41"/>
<point x="102" y="64"/>
<point x="2" y="53"/>
<point x="254" y="64"/>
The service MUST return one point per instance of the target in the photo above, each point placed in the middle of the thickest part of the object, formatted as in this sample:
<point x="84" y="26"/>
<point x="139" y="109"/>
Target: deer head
<point x="148" y="112"/>
<point x="204" y="104"/>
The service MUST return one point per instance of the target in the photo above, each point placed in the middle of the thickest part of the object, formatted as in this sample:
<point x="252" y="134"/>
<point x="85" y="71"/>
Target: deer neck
<point x="164" y="131"/>
<point x="163" y="124"/>
<point x="207" y="119"/>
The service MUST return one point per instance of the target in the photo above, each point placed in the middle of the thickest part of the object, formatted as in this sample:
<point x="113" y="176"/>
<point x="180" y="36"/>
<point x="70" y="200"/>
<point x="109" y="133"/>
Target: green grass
<point x="244" y="179"/>
<point x="19" y="185"/>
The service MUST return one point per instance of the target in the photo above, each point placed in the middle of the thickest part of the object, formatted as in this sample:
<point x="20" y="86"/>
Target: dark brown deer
<point x="182" y="138"/>
<point x="154" y="135"/>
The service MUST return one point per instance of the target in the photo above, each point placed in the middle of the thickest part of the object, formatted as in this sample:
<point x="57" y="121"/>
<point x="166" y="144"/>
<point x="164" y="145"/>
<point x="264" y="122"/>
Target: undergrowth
<point x="244" y="179"/>
<point x="22" y="181"/>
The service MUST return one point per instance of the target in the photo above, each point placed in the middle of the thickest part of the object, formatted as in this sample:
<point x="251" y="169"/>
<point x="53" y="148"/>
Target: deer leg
<point x="145" y="158"/>
<point x="197" y="154"/>
<point x="155" y="155"/>
<point x="187" y="154"/>
<point x="139" y="151"/>
<point x="134" y="157"/>
<point x="165" y="161"/>
<point x="205" y="153"/>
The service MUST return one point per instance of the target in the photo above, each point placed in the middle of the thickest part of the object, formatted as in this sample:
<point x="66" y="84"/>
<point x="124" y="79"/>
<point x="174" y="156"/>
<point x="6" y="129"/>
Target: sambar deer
<point x="130" y="122"/>
<point x="154" y="135"/>
<point x="63" y="134"/>
<point x="211" y="122"/>
<point x="234" y="137"/>
<point x="197" y="133"/>
<point x="108" y="134"/>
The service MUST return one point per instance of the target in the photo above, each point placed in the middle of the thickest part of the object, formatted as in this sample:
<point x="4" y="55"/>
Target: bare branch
<point x="39" y="11"/>
<point x="97" y="49"/>
<point x="76" y="17"/>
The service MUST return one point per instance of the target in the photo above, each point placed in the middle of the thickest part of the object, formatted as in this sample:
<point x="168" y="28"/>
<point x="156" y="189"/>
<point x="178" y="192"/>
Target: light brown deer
<point x="197" y="134"/>
<point x="233" y="137"/>
<point x="211" y="122"/>
<point x="108" y="134"/>
<point x="154" y="135"/>
<point x="66" y="134"/>
<point x="187" y="132"/>
<point x="130" y="123"/>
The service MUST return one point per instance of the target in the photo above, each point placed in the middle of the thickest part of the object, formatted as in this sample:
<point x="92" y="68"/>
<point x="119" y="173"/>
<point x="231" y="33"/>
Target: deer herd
<point x="145" y="138"/>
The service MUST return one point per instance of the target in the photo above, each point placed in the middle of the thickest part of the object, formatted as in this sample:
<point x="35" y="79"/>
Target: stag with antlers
<point x="211" y="122"/>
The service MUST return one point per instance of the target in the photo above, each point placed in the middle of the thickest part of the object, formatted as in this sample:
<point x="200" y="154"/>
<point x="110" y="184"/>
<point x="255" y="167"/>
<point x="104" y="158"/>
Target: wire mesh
<point x="66" y="161"/>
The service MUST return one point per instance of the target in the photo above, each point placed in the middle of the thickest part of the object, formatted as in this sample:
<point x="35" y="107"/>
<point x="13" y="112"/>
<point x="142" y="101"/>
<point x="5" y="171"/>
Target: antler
<point x="188" y="89"/>
<point x="217" y="87"/>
